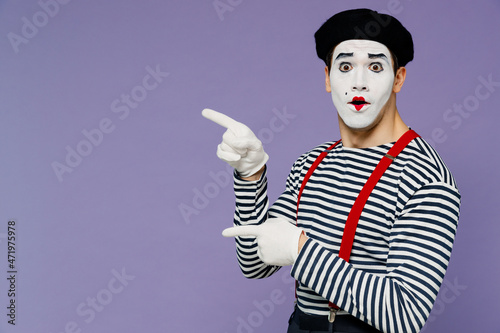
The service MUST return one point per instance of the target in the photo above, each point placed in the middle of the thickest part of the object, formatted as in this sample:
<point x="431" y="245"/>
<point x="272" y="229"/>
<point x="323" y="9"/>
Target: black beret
<point x="364" y="24"/>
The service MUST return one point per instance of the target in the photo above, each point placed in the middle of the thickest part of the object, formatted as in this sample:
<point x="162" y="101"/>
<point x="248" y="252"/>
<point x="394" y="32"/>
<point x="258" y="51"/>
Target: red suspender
<point x="310" y="172"/>
<point x="359" y="204"/>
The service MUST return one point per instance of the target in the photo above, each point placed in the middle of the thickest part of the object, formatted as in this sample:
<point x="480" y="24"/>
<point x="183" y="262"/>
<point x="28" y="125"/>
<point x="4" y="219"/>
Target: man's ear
<point x="399" y="79"/>
<point x="328" y="87"/>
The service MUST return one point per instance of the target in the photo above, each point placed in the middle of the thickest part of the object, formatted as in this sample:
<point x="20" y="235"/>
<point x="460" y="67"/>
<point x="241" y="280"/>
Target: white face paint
<point x="361" y="79"/>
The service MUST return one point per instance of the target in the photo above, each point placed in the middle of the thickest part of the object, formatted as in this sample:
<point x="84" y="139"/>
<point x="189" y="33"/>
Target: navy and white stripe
<point x="403" y="240"/>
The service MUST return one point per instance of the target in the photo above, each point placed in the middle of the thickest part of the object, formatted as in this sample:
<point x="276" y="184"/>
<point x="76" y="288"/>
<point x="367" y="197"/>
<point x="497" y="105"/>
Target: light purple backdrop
<point x="110" y="171"/>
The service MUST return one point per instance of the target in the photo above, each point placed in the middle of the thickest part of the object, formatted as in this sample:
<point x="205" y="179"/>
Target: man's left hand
<point x="277" y="240"/>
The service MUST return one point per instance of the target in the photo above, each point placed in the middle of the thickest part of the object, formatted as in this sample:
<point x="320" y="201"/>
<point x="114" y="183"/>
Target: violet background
<point x="121" y="207"/>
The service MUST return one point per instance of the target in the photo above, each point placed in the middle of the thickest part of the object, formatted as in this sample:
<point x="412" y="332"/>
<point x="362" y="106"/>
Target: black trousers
<point x="302" y="323"/>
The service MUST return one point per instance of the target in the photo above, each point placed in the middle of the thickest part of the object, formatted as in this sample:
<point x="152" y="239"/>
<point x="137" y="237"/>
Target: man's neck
<point x="388" y="129"/>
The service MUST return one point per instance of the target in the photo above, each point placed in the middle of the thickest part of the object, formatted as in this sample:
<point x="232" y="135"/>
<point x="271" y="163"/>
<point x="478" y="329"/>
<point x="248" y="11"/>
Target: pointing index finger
<point x="219" y="118"/>
<point x="247" y="230"/>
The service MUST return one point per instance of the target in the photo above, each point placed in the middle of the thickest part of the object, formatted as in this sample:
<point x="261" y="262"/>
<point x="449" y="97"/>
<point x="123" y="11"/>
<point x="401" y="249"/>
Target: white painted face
<point x="361" y="80"/>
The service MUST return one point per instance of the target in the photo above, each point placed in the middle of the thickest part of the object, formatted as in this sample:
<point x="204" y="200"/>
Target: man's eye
<point x="376" y="67"/>
<point x="345" y="67"/>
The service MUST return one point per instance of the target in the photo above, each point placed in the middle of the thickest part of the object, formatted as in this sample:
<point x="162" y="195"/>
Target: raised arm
<point x="241" y="149"/>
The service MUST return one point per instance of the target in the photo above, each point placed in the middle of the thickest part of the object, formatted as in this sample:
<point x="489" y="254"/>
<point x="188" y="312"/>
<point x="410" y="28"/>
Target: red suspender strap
<point x="310" y="172"/>
<point x="359" y="204"/>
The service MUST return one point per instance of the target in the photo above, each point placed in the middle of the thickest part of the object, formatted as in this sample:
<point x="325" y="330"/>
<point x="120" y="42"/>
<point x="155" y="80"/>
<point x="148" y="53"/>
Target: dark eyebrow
<point x="378" y="55"/>
<point x="344" y="55"/>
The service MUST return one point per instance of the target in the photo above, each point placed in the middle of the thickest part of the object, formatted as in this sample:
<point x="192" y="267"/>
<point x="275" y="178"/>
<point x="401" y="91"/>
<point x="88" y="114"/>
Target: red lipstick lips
<point x="358" y="102"/>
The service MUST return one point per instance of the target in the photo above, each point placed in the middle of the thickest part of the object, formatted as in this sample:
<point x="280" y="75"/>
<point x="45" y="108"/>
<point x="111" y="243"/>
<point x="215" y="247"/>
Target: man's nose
<point x="359" y="81"/>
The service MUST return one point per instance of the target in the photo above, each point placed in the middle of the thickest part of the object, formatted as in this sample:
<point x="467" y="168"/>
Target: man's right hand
<point x="239" y="147"/>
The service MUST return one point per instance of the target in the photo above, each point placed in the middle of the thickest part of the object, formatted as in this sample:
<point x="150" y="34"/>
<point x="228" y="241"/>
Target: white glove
<point x="239" y="147"/>
<point x="277" y="240"/>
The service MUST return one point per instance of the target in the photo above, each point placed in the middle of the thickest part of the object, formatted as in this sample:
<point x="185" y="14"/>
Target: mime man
<point x="381" y="183"/>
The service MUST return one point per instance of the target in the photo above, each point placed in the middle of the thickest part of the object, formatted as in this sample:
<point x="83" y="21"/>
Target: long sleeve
<point x="252" y="204"/>
<point x="420" y="245"/>
<point x="252" y="207"/>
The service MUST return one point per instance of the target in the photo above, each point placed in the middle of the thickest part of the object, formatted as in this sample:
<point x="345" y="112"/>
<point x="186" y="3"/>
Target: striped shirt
<point x="403" y="239"/>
